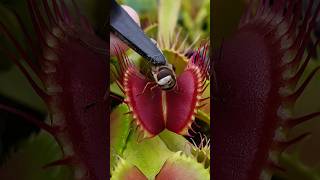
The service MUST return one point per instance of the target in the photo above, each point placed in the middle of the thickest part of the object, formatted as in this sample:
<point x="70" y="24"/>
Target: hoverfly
<point x="163" y="75"/>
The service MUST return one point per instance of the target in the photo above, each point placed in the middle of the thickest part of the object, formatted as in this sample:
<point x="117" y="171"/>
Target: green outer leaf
<point x="175" y="142"/>
<point x="194" y="16"/>
<point x="141" y="5"/>
<point x="119" y="131"/>
<point x="203" y="117"/>
<point x="27" y="164"/>
<point x="296" y="170"/>
<point x="167" y="17"/>
<point x="115" y="89"/>
<point x="151" y="31"/>
<point x="126" y="171"/>
<point x="181" y="166"/>
<point x="179" y="61"/>
<point x="20" y="90"/>
<point x="148" y="156"/>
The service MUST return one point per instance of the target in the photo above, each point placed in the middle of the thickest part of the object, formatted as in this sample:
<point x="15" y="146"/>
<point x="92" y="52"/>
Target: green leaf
<point x="148" y="156"/>
<point x="180" y="166"/>
<point x="115" y="89"/>
<point x="119" y="131"/>
<point x="20" y="90"/>
<point x="27" y="163"/>
<point x="141" y="5"/>
<point x="126" y="171"/>
<point x="175" y="142"/>
<point x="203" y="116"/>
<point x="179" y="61"/>
<point x="296" y="170"/>
<point x="167" y="17"/>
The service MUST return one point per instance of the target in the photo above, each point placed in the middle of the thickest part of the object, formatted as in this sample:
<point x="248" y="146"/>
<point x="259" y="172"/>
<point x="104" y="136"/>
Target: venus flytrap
<point x="155" y="147"/>
<point x="68" y="61"/>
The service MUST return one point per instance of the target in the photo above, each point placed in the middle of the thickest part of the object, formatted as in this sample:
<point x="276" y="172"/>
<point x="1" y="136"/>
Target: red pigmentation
<point x="155" y="109"/>
<point x="70" y="61"/>
<point x="254" y="97"/>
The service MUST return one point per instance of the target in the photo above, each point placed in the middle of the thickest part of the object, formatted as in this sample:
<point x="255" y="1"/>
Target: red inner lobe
<point x="245" y="109"/>
<point x="181" y="102"/>
<point x="146" y="102"/>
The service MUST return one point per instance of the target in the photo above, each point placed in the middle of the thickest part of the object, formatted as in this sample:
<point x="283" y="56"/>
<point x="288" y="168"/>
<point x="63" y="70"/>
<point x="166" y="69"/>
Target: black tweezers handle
<point x="123" y="26"/>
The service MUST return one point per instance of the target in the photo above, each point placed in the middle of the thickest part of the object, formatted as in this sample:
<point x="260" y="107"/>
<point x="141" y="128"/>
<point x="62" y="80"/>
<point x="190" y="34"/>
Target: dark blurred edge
<point x="213" y="4"/>
<point x="107" y="38"/>
<point x="13" y="128"/>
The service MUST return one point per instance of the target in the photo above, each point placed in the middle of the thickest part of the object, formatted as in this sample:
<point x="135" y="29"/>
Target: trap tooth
<point x="282" y="146"/>
<point x="277" y="20"/>
<point x="51" y="41"/>
<point x="185" y="132"/>
<point x="201" y="106"/>
<point x="48" y="67"/>
<point x="126" y="75"/>
<point x="288" y="56"/>
<point x="284" y="112"/>
<point x="203" y="99"/>
<point x="58" y="119"/>
<point x="202" y="89"/>
<point x="290" y="123"/>
<point x="293" y="97"/>
<point x="286" y="42"/>
<point x="50" y="55"/>
<point x="285" y="91"/>
<point x="280" y="134"/>
<point x="52" y="90"/>
<point x="64" y="143"/>
<point x="126" y="85"/>
<point x="269" y="18"/>
<point x="134" y="126"/>
<point x="69" y="160"/>
<point x="190" y="128"/>
<point x="57" y="32"/>
<point x="294" y="80"/>
<point x="288" y="73"/>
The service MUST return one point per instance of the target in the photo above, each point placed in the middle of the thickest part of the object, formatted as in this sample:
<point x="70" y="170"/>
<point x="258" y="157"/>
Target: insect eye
<point x="164" y="73"/>
<point x="164" y="81"/>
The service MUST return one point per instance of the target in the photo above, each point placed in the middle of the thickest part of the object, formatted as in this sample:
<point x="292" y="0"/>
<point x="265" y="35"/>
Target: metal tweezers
<point x="124" y="27"/>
